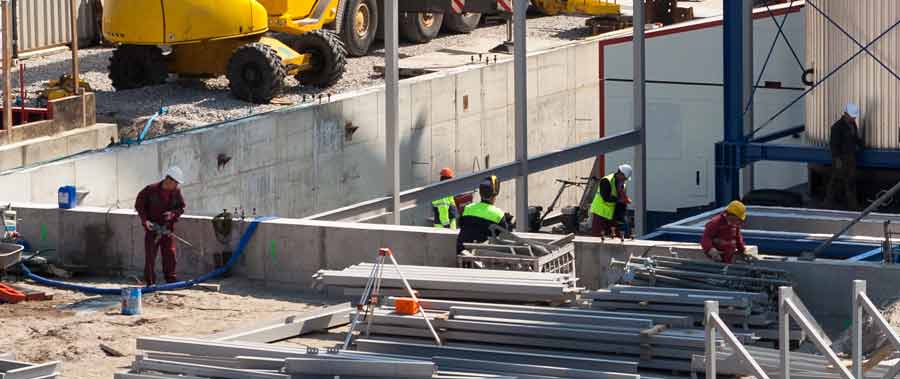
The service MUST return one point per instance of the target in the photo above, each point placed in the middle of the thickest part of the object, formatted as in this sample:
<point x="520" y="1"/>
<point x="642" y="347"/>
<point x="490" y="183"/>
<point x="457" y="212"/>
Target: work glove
<point x="148" y="226"/>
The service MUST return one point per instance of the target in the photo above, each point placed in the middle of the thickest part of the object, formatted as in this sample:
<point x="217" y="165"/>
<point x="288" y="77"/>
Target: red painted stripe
<point x="506" y="6"/>
<point x="458" y="6"/>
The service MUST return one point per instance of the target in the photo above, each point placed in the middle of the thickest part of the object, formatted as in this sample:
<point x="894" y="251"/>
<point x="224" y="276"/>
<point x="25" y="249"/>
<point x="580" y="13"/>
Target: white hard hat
<point x="626" y="170"/>
<point x="852" y="109"/>
<point x="175" y="173"/>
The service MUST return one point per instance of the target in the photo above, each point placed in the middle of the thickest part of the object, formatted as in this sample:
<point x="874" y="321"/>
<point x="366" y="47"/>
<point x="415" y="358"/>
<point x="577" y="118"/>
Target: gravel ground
<point x="45" y="331"/>
<point x="193" y="102"/>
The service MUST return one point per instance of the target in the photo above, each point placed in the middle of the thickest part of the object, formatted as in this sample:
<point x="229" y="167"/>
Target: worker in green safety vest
<point x="444" y="209"/>
<point x="610" y="203"/>
<point x="476" y="220"/>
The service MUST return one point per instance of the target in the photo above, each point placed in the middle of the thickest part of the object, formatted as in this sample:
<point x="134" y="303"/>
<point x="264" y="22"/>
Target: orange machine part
<point x="406" y="306"/>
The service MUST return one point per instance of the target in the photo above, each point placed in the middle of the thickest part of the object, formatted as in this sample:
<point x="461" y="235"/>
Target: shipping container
<point x="44" y="24"/>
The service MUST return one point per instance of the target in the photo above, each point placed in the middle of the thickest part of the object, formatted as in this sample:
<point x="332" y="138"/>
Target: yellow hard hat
<point x="738" y="209"/>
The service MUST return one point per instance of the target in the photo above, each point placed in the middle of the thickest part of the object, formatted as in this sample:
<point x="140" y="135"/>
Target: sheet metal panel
<point x="43" y="24"/>
<point x="863" y="80"/>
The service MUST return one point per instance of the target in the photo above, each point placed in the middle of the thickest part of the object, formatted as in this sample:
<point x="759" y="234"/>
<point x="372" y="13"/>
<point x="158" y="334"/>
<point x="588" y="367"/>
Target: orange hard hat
<point x="446" y="172"/>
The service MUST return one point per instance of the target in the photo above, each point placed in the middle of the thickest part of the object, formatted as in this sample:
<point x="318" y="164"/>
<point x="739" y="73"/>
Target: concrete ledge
<point x="48" y="148"/>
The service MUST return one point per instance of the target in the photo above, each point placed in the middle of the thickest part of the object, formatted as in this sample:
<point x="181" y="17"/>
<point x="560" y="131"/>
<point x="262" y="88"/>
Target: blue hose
<point x="242" y="245"/>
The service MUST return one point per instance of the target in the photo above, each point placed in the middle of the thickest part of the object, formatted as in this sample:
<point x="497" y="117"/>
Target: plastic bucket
<point x="131" y="301"/>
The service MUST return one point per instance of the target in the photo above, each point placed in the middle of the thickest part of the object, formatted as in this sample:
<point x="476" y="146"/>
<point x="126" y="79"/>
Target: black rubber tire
<point x="357" y="44"/>
<point x="461" y="23"/>
<point x="420" y="27"/>
<point x="256" y="73"/>
<point x="773" y="198"/>
<point x="329" y="58"/>
<point x="133" y="66"/>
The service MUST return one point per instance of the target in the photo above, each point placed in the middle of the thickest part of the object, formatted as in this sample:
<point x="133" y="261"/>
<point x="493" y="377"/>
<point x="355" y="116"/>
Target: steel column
<point x="748" y="85"/>
<point x="728" y="175"/>
<point x="520" y="8"/>
<point x="392" y="106"/>
<point x="859" y="289"/>
<point x="711" y="308"/>
<point x="7" y="64"/>
<point x="640" y="119"/>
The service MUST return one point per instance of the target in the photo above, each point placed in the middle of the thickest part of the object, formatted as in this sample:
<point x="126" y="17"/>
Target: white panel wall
<point x="685" y="114"/>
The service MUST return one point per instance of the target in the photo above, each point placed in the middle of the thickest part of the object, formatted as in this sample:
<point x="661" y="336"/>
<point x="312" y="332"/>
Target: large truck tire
<point x="359" y="26"/>
<point x="420" y="27"/>
<point x="256" y="73"/>
<point x="133" y="66"/>
<point x="462" y="23"/>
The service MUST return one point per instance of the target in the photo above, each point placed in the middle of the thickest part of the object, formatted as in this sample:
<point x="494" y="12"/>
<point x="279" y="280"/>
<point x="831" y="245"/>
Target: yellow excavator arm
<point x="577" y="7"/>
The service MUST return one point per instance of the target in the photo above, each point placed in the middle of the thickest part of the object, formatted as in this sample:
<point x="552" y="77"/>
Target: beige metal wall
<point x="46" y="23"/>
<point x="863" y="80"/>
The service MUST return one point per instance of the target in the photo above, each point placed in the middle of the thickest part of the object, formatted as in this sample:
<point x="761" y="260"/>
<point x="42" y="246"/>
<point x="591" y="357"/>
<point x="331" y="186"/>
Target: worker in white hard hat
<point x="845" y="141"/>
<point x="611" y="203"/>
<point x="159" y="206"/>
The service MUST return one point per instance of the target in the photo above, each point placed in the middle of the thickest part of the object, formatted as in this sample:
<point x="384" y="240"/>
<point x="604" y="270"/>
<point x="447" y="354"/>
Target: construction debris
<point x="110" y="351"/>
<point x="20" y="370"/>
<point x="455" y="283"/>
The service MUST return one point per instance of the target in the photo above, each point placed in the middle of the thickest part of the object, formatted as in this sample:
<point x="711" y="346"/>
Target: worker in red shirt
<point x="723" y="234"/>
<point x="159" y="205"/>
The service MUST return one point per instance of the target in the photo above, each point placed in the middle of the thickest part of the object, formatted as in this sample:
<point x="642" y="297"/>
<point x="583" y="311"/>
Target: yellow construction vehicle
<point x="580" y="7"/>
<point x="214" y="37"/>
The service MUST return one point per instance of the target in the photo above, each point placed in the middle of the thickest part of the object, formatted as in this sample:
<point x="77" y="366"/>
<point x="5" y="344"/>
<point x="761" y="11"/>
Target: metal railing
<point x="790" y="307"/>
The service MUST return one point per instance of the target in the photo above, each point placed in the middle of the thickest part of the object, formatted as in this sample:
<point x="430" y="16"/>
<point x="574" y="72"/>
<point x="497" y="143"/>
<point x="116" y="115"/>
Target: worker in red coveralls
<point x="723" y="234"/>
<point x="159" y="205"/>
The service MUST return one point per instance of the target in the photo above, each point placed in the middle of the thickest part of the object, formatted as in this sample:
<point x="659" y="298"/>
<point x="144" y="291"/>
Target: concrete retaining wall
<point x="303" y="160"/>
<point x="43" y="149"/>
<point x="68" y="113"/>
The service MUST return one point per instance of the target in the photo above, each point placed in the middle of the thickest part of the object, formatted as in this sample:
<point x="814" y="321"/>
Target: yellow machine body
<point x="300" y="16"/>
<point x="211" y="58"/>
<point x="173" y="22"/>
<point x="581" y="7"/>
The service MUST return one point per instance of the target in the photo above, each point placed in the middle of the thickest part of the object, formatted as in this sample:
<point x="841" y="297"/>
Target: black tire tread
<point x="412" y="31"/>
<point x="272" y="60"/>
<point x="457" y="23"/>
<point x="335" y="64"/>
<point x="346" y="30"/>
<point x="126" y="57"/>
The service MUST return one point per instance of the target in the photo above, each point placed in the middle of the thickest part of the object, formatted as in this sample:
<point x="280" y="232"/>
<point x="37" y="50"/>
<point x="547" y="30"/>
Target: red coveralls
<point x="722" y="236"/>
<point x="150" y="205"/>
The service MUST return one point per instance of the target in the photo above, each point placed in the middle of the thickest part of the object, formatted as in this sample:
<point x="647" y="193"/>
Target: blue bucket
<point x="131" y="301"/>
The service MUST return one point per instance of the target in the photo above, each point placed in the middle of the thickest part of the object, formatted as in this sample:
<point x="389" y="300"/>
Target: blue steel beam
<point x="740" y="155"/>
<point x="780" y="134"/>
<point x="728" y="175"/>
<point x="776" y="246"/>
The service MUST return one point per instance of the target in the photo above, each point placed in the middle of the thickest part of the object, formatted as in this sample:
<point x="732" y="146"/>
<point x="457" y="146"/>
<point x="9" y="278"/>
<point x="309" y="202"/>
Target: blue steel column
<point x="728" y="171"/>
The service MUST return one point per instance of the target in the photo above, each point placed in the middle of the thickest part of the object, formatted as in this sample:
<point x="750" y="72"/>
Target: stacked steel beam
<point x="170" y="357"/>
<point x="454" y="283"/>
<point x="21" y="370"/>
<point x="621" y="342"/>
<point x="704" y="275"/>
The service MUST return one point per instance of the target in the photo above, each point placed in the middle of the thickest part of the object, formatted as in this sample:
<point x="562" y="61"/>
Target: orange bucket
<point x="406" y="306"/>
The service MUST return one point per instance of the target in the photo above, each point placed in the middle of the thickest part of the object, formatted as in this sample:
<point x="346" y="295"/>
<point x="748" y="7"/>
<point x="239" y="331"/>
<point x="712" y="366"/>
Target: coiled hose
<point x="242" y="245"/>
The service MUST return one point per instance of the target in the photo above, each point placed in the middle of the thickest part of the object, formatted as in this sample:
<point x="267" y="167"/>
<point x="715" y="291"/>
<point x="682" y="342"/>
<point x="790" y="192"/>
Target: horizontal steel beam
<point x="343" y="367"/>
<point x="410" y="198"/>
<point x="289" y="327"/>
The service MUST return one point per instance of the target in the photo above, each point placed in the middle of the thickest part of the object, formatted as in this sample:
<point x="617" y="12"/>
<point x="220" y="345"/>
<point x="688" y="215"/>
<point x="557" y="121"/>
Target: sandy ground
<point x="44" y="331"/>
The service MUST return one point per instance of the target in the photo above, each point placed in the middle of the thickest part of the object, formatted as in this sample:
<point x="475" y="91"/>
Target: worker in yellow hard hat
<point x="722" y="234"/>
<point x="444" y="209"/>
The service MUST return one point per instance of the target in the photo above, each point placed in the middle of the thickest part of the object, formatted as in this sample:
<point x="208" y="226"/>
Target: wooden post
<point x="7" y="64"/>
<point x="73" y="20"/>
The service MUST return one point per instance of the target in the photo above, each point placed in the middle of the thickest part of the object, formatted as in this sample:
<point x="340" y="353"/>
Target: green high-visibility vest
<point x="484" y="211"/>
<point x="443" y="207"/>
<point x="601" y="207"/>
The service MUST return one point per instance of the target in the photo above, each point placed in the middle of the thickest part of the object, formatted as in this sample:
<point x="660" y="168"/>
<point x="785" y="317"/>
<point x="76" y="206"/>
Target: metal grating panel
<point x="863" y="80"/>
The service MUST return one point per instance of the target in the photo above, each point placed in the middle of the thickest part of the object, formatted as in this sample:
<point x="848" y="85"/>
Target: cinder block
<point x="45" y="149"/>
<point x="94" y="173"/>
<point x="11" y="156"/>
<point x="106" y="134"/>
<point x="80" y="140"/>
<point x="183" y="152"/>
<point x="136" y="167"/>
<point x="443" y="147"/>
<point x="468" y="93"/>
<point x="349" y="244"/>
<point x="552" y="75"/>
<point x="420" y="104"/>
<point x="366" y="113"/>
<point x="46" y="180"/>
<point x="257" y="142"/>
<point x="443" y="99"/>
<point x="468" y="153"/>
<point x="495" y="86"/>
<point x="214" y="142"/>
<point x="587" y="64"/>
